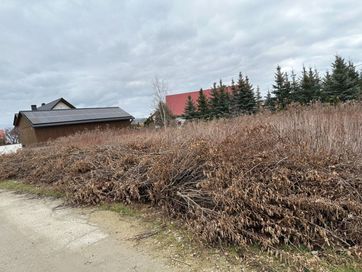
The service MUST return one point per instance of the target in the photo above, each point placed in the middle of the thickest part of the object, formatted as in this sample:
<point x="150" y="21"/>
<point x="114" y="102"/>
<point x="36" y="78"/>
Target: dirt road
<point x="39" y="235"/>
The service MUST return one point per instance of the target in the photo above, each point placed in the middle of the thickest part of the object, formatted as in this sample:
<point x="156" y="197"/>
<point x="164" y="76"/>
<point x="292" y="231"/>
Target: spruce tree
<point x="243" y="98"/>
<point x="287" y="88"/>
<point x="239" y="97"/>
<point x="327" y="92"/>
<point x="294" y="88"/>
<point x="236" y="100"/>
<point x="281" y="88"/>
<point x="337" y="83"/>
<point x="304" y="91"/>
<point x="309" y="90"/>
<point x="224" y="101"/>
<point x="233" y="98"/>
<point x="190" y="109"/>
<point x="354" y="81"/>
<point x="343" y="83"/>
<point x="214" y="102"/>
<point x="269" y="102"/>
<point x="258" y="99"/>
<point x="202" y="105"/>
<point x="317" y="85"/>
<point x="250" y="101"/>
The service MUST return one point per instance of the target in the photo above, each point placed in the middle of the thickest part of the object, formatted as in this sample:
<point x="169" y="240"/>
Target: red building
<point x="177" y="102"/>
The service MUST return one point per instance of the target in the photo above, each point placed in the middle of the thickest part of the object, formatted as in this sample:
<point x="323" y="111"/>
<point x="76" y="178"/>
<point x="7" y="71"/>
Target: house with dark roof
<point x="60" y="118"/>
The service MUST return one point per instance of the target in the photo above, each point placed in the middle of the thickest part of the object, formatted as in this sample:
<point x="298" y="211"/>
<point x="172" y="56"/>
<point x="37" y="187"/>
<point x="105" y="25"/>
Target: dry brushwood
<point x="272" y="179"/>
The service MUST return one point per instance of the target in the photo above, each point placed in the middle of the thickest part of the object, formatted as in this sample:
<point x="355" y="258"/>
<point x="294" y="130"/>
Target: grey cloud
<point x="99" y="53"/>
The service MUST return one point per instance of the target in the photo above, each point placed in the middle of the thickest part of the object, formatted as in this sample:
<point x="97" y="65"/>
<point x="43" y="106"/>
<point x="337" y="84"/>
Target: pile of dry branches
<point x="272" y="179"/>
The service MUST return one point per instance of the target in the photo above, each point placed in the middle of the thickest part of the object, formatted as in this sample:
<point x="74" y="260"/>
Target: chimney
<point x="33" y="108"/>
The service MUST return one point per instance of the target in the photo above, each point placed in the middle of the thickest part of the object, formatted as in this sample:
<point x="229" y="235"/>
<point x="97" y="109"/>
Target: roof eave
<point x="54" y="124"/>
<point x="16" y="119"/>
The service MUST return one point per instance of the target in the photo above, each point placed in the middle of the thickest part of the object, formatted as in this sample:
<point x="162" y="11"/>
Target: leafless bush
<point x="292" y="177"/>
<point x="12" y="136"/>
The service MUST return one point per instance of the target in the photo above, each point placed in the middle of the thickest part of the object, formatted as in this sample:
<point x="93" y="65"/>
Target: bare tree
<point x="12" y="135"/>
<point x="160" y="90"/>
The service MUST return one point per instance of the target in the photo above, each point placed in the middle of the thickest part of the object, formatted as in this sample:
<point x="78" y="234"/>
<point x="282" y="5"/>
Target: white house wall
<point x="61" y="106"/>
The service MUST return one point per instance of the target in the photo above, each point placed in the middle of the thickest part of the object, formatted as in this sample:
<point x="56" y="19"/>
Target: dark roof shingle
<point x="48" y="118"/>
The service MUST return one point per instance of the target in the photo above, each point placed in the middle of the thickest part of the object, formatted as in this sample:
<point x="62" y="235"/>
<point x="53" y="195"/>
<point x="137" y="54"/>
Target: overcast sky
<point x="106" y="52"/>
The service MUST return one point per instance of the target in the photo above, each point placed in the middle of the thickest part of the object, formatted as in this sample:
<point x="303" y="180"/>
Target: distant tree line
<point x="341" y="84"/>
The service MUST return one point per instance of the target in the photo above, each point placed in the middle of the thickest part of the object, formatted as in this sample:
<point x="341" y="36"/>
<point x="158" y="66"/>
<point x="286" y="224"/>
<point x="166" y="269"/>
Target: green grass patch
<point x="119" y="208"/>
<point x="346" y="269"/>
<point x="24" y="188"/>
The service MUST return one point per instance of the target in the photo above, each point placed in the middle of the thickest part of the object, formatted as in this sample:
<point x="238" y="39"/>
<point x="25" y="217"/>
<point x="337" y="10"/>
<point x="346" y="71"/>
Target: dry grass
<point x="291" y="178"/>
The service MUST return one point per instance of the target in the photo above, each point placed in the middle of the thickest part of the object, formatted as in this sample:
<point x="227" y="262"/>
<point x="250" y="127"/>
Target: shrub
<point x="292" y="177"/>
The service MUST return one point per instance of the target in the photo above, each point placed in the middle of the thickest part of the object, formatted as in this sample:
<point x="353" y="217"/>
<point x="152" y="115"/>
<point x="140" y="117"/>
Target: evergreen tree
<point x="269" y="102"/>
<point x="202" y="106"/>
<point x="281" y="89"/>
<point x="250" y="101"/>
<point x="239" y="97"/>
<point x="258" y="99"/>
<point x="327" y="91"/>
<point x="236" y="95"/>
<point x="287" y="87"/>
<point x="190" y="109"/>
<point x="309" y="89"/>
<point x="317" y="85"/>
<point x="304" y="95"/>
<point x="243" y="100"/>
<point x="233" y="98"/>
<point x="219" y="101"/>
<point x="214" y="102"/>
<point x="294" y="88"/>
<point x="224" y="100"/>
<point x="354" y="81"/>
<point x="343" y="83"/>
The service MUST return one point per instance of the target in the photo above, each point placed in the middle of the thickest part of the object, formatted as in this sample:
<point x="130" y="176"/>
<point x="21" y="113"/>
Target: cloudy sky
<point x="106" y="52"/>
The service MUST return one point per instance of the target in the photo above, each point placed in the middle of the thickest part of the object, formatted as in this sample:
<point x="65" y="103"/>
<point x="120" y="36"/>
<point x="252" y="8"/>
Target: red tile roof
<point x="2" y="134"/>
<point x="177" y="102"/>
